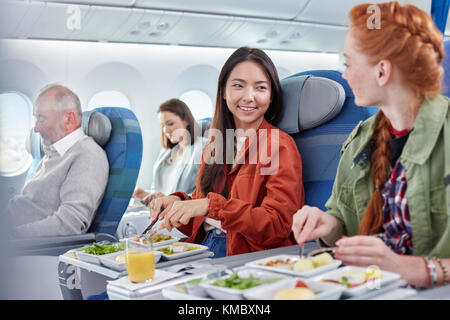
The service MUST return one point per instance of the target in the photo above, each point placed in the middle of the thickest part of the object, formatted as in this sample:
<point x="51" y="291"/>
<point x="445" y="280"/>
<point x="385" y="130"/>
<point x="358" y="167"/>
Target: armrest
<point x="54" y="246"/>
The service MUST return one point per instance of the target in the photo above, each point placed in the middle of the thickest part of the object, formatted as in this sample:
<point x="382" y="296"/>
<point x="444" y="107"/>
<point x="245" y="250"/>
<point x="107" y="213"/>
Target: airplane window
<point x="341" y="66"/>
<point x="199" y="103"/>
<point x="108" y="99"/>
<point x="283" y="72"/>
<point x="15" y="123"/>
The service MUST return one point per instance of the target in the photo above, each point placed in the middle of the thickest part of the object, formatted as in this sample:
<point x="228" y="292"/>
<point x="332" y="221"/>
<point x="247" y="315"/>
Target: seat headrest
<point x="94" y="124"/>
<point x="309" y="101"/>
<point x="97" y="126"/>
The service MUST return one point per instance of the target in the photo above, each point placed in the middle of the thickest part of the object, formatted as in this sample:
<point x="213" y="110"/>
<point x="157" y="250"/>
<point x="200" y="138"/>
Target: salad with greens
<point x="100" y="249"/>
<point x="236" y="282"/>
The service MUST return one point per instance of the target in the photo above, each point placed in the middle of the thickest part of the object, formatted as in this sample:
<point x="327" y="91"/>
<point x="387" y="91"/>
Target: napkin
<point x="159" y="276"/>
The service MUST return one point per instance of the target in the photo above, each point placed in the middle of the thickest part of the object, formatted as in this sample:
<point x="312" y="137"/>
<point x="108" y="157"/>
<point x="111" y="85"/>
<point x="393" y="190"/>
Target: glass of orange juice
<point x="140" y="261"/>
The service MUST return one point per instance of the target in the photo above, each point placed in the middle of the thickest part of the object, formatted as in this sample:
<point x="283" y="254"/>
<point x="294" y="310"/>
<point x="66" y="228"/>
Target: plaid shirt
<point x="397" y="223"/>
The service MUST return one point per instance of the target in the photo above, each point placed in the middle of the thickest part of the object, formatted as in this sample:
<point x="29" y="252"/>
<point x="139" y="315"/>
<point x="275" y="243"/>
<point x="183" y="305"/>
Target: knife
<point x="150" y="226"/>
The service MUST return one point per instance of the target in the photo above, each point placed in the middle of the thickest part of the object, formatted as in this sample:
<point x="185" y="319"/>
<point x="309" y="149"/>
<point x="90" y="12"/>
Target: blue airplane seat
<point x="319" y="114"/>
<point x="446" y="65"/>
<point x="205" y="124"/>
<point x="34" y="147"/>
<point x="121" y="138"/>
<point x="124" y="152"/>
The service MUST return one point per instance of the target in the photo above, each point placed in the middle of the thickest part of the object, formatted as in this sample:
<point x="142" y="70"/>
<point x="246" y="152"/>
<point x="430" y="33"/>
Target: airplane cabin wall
<point x="146" y="74"/>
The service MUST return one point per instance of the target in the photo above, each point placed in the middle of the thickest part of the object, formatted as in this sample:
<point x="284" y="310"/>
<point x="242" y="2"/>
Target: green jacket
<point x="426" y="159"/>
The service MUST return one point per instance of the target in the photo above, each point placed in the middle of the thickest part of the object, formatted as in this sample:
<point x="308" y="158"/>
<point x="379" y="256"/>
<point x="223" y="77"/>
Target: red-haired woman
<point x="392" y="180"/>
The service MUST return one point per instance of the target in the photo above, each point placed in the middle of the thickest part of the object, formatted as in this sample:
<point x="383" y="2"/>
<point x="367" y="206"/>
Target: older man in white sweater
<point x="64" y="193"/>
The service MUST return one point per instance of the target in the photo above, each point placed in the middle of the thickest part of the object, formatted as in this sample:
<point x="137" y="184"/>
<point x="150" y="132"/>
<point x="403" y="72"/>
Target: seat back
<point x="124" y="152"/>
<point x="320" y="139"/>
<point x="204" y="124"/>
<point x="446" y="65"/>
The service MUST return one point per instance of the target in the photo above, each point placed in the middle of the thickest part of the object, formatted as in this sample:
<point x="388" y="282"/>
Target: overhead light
<point x="144" y="25"/>
<point x="163" y="26"/>
<point x="262" y="41"/>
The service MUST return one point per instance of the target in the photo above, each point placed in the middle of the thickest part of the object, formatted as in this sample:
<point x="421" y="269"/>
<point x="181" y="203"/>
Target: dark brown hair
<point x="409" y="39"/>
<point x="179" y="108"/>
<point x="223" y="118"/>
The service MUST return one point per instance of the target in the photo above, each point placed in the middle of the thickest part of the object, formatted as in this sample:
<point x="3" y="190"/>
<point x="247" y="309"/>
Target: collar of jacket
<point x="421" y="141"/>
<point x="428" y="125"/>
<point x="248" y="142"/>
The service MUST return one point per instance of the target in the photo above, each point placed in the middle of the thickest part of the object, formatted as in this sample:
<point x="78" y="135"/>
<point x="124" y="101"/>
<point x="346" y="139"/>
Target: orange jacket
<point x="259" y="210"/>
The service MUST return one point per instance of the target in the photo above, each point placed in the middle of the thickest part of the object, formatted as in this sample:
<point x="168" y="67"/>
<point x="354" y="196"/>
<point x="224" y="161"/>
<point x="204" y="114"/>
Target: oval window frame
<point x="124" y="96"/>
<point x="27" y="164"/>
<point x="191" y="105"/>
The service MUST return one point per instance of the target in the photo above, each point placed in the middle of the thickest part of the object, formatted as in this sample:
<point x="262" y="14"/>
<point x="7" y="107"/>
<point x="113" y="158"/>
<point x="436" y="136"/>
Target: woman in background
<point x="177" y="164"/>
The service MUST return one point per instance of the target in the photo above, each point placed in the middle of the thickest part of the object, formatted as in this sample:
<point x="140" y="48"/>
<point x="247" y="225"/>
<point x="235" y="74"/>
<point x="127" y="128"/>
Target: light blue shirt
<point x="171" y="177"/>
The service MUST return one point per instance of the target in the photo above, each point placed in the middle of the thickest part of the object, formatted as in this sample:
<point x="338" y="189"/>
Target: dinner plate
<point x="180" y="292"/>
<point x="178" y="255"/>
<point x="350" y="271"/>
<point x="109" y="261"/>
<point x="91" y="258"/>
<point x="225" y="293"/>
<point x="261" y="264"/>
<point x="163" y="243"/>
<point x="322" y="290"/>
<point x="87" y="257"/>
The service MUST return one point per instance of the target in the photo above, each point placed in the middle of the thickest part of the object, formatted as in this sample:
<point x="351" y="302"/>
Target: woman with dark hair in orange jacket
<point x="245" y="202"/>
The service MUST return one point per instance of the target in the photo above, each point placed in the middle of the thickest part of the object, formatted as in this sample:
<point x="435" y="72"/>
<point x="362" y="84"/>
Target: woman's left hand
<point x="183" y="211"/>
<point x="364" y="251"/>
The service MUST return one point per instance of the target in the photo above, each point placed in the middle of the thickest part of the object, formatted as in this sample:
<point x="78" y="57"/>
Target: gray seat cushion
<point x="97" y="126"/>
<point x="309" y="101"/>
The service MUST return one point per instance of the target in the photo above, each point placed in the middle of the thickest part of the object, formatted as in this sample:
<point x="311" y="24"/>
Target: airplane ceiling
<point x="291" y="25"/>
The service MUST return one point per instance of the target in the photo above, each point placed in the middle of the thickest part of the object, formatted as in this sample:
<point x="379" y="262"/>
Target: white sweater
<point x="63" y="195"/>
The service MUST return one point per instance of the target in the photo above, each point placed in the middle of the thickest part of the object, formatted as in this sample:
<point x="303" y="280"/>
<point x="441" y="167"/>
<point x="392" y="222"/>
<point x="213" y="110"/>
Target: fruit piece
<point x="303" y="265"/>
<point x="322" y="259"/>
<point x="294" y="294"/>
<point x="373" y="274"/>
<point x="301" y="284"/>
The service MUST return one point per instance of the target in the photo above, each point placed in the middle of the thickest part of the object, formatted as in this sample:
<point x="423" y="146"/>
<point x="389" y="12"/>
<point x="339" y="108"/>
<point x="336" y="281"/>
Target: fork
<point x="320" y="250"/>
<point x="317" y="251"/>
<point x="301" y="251"/>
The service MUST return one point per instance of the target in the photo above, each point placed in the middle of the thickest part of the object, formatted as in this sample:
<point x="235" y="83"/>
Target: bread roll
<point x="294" y="294"/>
